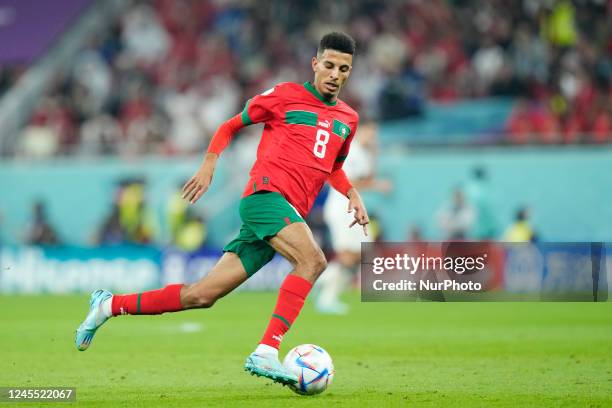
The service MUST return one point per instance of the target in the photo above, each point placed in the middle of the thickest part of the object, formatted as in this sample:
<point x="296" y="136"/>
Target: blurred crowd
<point x="132" y="221"/>
<point x="470" y="215"/>
<point x="467" y="214"/>
<point x="129" y="221"/>
<point x="168" y="72"/>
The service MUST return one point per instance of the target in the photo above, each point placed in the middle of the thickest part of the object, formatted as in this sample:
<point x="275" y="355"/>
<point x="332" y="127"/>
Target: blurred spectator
<point x="415" y="234"/>
<point x="130" y="220"/>
<point x="50" y="131"/>
<point x="39" y="141"/>
<point x="529" y="55"/>
<point x="100" y="135"/>
<point x="187" y="230"/>
<point x="135" y="217"/>
<point x="521" y="230"/>
<point x="41" y="232"/>
<point x="92" y="80"/>
<point x="478" y="193"/>
<point x="488" y="62"/>
<point x="559" y="25"/>
<point x="111" y="232"/>
<point x="191" y="236"/>
<point x="456" y="219"/>
<point x="186" y="130"/>
<point x="145" y="39"/>
<point x="402" y="95"/>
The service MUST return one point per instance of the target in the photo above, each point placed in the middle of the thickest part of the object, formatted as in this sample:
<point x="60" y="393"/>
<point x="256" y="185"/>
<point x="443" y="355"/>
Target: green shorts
<point x="263" y="215"/>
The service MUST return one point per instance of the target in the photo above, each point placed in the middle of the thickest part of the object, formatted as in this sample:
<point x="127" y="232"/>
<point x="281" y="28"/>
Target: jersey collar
<point x="316" y="93"/>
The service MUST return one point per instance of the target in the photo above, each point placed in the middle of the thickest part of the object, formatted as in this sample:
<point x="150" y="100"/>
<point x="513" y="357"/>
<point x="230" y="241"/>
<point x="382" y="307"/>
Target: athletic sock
<point x="264" y="349"/>
<point x="106" y="307"/>
<point x="291" y="297"/>
<point x="153" y="302"/>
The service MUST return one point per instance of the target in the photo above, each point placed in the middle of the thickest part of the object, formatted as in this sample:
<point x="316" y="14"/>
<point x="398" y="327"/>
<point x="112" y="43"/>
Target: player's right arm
<point x="259" y="109"/>
<point x="200" y="182"/>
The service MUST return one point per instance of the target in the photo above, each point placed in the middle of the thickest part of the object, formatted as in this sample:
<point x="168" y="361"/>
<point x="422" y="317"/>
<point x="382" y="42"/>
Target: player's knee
<point x="309" y="264"/>
<point x="321" y="264"/>
<point x="316" y="263"/>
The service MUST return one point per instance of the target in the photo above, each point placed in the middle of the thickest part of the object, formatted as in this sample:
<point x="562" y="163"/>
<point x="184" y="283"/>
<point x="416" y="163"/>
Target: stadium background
<point x="107" y="106"/>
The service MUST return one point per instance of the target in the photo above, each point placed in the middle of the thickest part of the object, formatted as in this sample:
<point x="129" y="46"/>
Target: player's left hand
<point x="359" y="211"/>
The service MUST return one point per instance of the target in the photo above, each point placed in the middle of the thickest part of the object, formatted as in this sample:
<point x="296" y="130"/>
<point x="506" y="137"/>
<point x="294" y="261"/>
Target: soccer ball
<point x="313" y="368"/>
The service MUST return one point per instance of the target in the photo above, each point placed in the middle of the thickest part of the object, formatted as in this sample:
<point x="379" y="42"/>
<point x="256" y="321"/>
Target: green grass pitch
<point x="386" y="354"/>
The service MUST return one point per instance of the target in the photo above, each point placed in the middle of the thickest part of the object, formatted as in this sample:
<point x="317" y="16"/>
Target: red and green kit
<point x="304" y="139"/>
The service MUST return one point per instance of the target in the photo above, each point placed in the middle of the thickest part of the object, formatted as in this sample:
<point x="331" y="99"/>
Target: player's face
<point x="332" y="69"/>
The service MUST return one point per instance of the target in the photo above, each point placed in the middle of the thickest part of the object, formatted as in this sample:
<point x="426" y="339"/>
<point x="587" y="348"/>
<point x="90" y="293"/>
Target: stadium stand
<point x="164" y="74"/>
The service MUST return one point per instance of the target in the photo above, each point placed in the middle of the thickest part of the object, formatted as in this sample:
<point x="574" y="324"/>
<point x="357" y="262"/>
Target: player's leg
<point x="225" y="276"/>
<point x="296" y="243"/>
<point x="279" y="228"/>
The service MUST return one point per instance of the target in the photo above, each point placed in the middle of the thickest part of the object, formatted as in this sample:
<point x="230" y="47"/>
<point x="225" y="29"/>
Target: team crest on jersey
<point x="341" y="129"/>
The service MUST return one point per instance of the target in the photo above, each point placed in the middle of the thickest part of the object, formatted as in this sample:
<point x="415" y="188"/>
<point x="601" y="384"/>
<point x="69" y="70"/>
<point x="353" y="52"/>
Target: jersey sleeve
<point x="261" y="108"/>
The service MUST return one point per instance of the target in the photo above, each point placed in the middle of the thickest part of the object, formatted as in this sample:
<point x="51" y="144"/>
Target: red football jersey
<point x="304" y="139"/>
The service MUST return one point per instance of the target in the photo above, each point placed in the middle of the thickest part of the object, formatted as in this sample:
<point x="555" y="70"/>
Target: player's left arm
<point x="340" y="182"/>
<point x="357" y="207"/>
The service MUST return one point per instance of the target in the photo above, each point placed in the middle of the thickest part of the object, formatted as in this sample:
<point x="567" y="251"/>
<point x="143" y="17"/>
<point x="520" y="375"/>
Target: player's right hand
<point x="198" y="184"/>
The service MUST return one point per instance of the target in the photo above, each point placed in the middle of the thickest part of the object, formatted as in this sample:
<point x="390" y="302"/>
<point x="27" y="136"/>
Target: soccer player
<point x="306" y="138"/>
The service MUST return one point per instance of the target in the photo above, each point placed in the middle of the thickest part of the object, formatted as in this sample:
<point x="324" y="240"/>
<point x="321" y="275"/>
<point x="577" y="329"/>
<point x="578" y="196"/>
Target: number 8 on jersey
<point x="321" y="143"/>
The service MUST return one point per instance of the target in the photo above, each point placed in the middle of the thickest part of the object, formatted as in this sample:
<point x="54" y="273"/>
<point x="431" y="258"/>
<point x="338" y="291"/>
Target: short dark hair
<point x="337" y="41"/>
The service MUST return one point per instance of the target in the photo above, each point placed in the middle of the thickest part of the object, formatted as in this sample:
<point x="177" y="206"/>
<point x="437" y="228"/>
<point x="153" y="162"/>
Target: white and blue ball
<point x="313" y="367"/>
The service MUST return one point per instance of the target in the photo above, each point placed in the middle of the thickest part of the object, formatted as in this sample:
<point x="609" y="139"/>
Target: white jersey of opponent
<point x="359" y="164"/>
